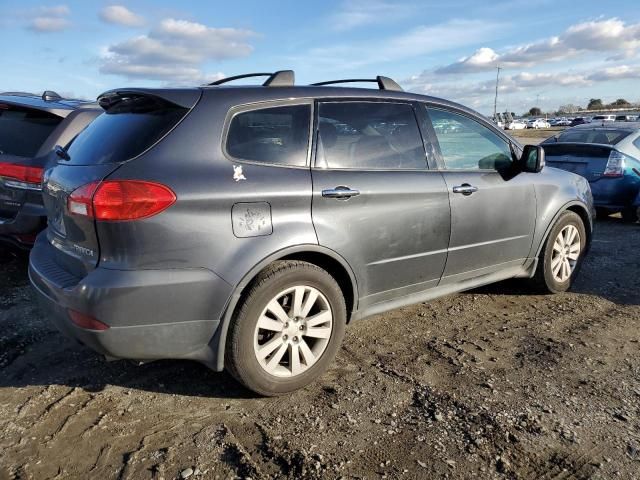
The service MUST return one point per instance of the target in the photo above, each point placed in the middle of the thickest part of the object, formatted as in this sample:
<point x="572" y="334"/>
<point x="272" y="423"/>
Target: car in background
<point x="626" y="118"/>
<point x="538" y="123"/>
<point x="604" y="118"/>
<point x="563" y="122"/>
<point x="244" y="227"/>
<point x="579" y="121"/>
<point x="608" y="156"/>
<point x="30" y="128"/>
<point x="516" y="125"/>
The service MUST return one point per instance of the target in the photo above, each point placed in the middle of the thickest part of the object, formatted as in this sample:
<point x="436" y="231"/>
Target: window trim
<point x="249" y="107"/>
<point x="316" y="131"/>
<point x="442" y="167"/>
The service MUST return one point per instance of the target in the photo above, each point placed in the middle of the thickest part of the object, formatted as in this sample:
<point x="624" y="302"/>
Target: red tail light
<point x="21" y="176"/>
<point x="120" y="200"/>
<point x="86" y="321"/>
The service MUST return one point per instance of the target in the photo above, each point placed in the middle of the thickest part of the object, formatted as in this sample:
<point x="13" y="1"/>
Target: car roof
<point x="608" y="126"/>
<point x="242" y="94"/>
<point x="52" y="104"/>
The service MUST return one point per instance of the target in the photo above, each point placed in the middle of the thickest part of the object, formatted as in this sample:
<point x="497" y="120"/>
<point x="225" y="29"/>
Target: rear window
<point x="276" y="135"/>
<point x="124" y="131"/>
<point x="24" y="130"/>
<point x="606" y="137"/>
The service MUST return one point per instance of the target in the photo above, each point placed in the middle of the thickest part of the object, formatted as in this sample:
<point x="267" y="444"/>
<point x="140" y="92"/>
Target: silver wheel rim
<point x="565" y="254"/>
<point x="293" y="331"/>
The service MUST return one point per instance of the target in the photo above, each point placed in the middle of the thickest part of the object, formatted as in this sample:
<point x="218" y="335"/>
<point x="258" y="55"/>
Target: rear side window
<point x="369" y="136"/>
<point x="606" y="137"/>
<point x="24" y="130"/>
<point x="124" y="131"/>
<point x="468" y="145"/>
<point x="276" y="135"/>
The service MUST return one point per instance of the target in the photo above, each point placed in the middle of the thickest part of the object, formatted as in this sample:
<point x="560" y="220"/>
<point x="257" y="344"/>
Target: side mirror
<point x="532" y="159"/>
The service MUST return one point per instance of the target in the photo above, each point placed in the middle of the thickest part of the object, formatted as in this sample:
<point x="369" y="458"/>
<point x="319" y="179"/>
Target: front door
<point x="493" y="208"/>
<point x="375" y="201"/>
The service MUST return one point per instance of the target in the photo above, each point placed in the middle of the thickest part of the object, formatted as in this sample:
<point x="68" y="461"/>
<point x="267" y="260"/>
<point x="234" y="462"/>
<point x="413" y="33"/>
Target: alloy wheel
<point x="565" y="254"/>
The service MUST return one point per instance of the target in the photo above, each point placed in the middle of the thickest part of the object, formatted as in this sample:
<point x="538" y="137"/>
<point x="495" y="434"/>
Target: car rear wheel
<point x="288" y="329"/>
<point x="562" y="255"/>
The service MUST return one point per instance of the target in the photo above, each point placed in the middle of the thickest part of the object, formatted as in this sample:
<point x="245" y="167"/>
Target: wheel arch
<point x="576" y="207"/>
<point x="323" y="257"/>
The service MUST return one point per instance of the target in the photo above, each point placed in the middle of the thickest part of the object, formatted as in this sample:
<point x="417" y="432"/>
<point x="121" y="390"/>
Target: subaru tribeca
<point x="244" y="227"/>
<point x="30" y="128"/>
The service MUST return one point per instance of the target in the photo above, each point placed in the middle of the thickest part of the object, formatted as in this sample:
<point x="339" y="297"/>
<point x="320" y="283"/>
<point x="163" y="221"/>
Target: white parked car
<point x="539" y="123"/>
<point x="516" y="125"/>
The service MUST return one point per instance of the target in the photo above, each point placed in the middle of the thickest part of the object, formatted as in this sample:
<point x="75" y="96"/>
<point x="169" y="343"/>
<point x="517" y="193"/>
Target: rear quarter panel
<point x="196" y="232"/>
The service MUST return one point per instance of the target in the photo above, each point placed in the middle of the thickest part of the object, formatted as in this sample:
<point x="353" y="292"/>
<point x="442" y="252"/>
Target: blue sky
<point x="554" y="51"/>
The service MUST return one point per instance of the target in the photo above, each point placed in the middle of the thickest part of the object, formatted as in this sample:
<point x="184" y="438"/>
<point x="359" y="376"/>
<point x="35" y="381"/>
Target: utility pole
<point x="495" y="102"/>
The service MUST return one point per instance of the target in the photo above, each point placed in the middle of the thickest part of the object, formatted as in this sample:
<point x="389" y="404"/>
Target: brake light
<point x="21" y="176"/>
<point x="120" y="200"/>
<point x="615" y="164"/>
<point x="86" y="321"/>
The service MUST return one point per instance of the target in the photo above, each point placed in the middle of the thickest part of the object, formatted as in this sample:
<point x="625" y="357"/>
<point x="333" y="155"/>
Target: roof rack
<point x="384" y="83"/>
<point x="281" y="78"/>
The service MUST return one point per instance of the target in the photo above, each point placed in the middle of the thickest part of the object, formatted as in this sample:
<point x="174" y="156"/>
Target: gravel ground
<point x="493" y="383"/>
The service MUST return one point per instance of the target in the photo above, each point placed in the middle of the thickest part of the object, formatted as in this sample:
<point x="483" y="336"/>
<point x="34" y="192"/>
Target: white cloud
<point x="611" y="35"/>
<point x="48" y="19"/>
<point x="620" y="72"/>
<point x="174" y="51"/>
<point x="121" y="15"/>
<point x="361" y="13"/>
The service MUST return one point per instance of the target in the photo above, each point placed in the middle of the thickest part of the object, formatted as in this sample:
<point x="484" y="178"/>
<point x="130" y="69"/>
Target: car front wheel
<point x="288" y="329"/>
<point x="562" y="255"/>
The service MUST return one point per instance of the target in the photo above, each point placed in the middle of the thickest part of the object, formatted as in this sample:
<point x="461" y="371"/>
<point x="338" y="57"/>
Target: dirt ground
<point x="493" y="383"/>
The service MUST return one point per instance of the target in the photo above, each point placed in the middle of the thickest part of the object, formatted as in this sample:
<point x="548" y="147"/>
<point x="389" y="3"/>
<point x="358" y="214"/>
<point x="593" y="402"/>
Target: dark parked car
<point x="245" y="227"/>
<point x="30" y="127"/>
<point x="578" y="121"/>
<point x="608" y="156"/>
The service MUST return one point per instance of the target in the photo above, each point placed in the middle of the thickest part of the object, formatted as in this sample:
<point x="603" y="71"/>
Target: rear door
<point x="493" y="209"/>
<point x="375" y="200"/>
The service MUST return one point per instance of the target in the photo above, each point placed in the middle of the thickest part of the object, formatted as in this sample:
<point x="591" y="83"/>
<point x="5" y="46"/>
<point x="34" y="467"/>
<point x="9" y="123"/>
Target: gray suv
<point x="244" y="227"/>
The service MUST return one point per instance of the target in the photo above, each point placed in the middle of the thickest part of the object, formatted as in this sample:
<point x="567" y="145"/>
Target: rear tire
<point x="561" y="257"/>
<point x="287" y="330"/>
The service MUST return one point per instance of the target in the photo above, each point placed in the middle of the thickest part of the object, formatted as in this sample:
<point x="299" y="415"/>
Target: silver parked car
<point x="246" y="227"/>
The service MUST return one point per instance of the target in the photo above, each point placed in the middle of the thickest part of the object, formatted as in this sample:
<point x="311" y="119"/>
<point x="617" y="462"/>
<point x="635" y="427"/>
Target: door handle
<point x="465" y="189"/>
<point x="341" y="193"/>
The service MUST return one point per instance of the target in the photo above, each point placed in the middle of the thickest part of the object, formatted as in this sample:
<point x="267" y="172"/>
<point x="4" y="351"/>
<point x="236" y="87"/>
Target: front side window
<point x="466" y="144"/>
<point x="276" y="135"/>
<point x="369" y="136"/>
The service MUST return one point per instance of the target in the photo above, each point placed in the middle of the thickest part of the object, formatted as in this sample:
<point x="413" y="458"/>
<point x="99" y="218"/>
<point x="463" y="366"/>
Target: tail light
<point x="615" y="164"/>
<point x="86" y="321"/>
<point x="120" y="200"/>
<point x="21" y="176"/>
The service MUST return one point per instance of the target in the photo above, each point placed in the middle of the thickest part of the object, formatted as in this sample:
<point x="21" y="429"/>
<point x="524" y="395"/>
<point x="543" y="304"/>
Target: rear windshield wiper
<point x="61" y="152"/>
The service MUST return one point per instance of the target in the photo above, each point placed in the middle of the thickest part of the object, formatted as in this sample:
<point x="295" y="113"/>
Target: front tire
<point x="561" y="258"/>
<point x="287" y="330"/>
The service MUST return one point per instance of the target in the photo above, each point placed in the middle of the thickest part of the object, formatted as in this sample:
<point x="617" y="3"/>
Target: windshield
<point x="124" y="131"/>
<point x="605" y="137"/>
<point x="24" y="130"/>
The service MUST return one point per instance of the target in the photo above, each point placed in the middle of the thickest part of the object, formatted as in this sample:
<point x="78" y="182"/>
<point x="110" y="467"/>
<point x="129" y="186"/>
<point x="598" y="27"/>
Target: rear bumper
<point x="615" y="193"/>
<point x="151" y="314"/>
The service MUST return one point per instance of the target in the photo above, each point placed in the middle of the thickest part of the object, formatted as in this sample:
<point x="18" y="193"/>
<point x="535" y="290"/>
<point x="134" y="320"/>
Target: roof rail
<point x="384" y="83"/>
<point x="281" y="78"/>
<point x="50" y="96"/>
